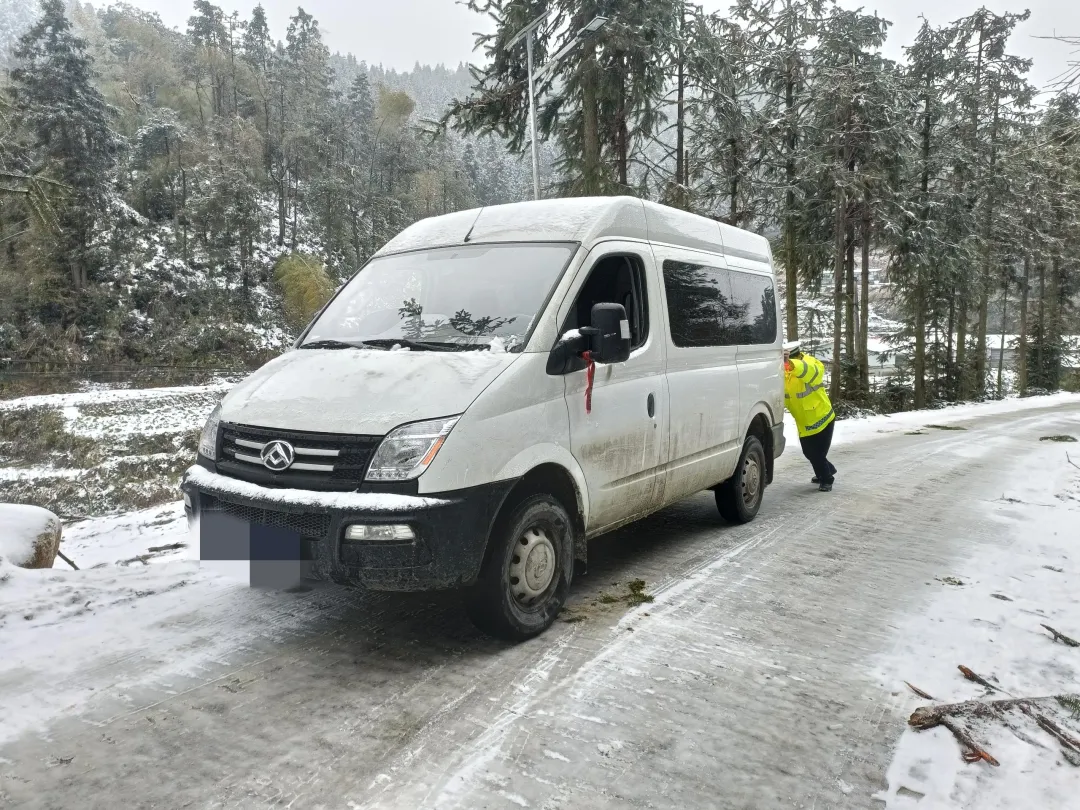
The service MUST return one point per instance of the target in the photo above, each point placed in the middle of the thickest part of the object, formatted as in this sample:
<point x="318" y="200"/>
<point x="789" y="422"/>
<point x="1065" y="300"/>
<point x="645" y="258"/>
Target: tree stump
<point x="29" y="536"/>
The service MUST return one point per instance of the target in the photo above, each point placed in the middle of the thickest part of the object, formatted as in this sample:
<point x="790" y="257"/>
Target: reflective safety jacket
<point x="804" y="395"/>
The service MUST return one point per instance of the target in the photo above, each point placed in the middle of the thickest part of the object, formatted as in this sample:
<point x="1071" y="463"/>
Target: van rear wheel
<point x="739" y="498"/>
<point x="526" y="577"/>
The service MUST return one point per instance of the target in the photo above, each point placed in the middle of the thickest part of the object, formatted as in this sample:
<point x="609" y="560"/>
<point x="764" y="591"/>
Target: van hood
<point x="360" y="392"/>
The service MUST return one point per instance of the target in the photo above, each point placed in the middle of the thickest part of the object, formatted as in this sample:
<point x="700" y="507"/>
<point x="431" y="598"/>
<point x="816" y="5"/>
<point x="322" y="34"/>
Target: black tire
<point x="739" y="498"/>
<point x="510" y="607"/>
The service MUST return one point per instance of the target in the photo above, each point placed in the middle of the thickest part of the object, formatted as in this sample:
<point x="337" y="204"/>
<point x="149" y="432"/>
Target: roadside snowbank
<point x="139" y="613"/>
<point x="988" y="617"/>
<point x="860" y="429"/>
<point x="132" y="539"/>
<point x="112" y="554"/>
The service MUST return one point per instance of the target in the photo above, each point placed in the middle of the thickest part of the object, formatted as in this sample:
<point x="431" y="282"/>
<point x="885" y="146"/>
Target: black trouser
<point x="816" y="450"/>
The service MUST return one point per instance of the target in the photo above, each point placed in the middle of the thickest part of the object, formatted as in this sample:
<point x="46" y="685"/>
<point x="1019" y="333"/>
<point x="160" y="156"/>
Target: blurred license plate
<point x="272" y="556"/>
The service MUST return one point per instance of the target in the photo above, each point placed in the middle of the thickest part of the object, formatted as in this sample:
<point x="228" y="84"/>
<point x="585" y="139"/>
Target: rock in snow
<point x="29" y="536"/>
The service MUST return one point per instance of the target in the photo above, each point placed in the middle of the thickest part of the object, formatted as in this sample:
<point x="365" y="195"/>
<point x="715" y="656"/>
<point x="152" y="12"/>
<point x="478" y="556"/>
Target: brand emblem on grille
<point x="278" y="456"/>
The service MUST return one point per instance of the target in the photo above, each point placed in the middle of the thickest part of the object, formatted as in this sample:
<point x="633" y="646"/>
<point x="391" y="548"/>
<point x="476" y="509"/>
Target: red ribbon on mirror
<point x="590" y="375"/>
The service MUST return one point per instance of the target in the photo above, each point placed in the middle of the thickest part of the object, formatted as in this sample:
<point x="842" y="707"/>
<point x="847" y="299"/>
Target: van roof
<point x="586" y="220"/>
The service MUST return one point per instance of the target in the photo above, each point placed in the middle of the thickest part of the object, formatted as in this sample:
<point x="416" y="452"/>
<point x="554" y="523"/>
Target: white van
<point x="493" y="389"/>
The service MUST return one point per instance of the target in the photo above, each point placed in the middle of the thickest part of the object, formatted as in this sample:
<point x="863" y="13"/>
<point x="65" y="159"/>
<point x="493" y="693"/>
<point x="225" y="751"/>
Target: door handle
<point x="652" y="406"/>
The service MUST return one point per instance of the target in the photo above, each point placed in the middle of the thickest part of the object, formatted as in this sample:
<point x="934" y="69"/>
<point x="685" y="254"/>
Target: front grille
<point x="310" y="525"/>
<point x="324" y="461"/>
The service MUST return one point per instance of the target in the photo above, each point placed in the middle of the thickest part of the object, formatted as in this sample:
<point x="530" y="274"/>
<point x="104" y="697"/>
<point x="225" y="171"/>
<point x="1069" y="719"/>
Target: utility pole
<point x="526" y="34"/>
<point x="532" y="122"/>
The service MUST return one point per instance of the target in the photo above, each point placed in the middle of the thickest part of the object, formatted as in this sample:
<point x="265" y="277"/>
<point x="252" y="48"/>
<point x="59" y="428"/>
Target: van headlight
<point x="208" y="438"/>
<point x="406" y="452"/>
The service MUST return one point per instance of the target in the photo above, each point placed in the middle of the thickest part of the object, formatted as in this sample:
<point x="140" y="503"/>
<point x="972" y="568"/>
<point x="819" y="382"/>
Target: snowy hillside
<point x="101" y="452"/>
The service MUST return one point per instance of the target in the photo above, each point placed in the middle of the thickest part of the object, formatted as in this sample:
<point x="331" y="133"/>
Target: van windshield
<point x="474" y="297"/>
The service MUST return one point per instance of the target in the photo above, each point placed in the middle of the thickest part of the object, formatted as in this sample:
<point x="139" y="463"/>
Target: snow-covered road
<point x="768" y="672"/>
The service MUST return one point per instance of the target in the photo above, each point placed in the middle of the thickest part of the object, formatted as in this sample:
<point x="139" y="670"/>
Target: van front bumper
<point x="450" y="530"/>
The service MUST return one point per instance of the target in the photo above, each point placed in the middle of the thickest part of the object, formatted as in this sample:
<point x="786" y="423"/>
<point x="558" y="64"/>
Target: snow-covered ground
<point x="989" y="617"/>
<point x="140" y="561"/>
<point x="140" y="612"/>
<point x="854" y="430"/>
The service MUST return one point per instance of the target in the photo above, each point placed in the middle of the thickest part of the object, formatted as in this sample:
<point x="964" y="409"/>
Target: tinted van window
<point x="701" y="309"/>
<point x="755" y="297"/>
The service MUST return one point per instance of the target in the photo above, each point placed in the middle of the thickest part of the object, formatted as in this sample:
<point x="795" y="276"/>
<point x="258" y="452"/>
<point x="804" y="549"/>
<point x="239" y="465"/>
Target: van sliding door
<point x="702" y="370"/>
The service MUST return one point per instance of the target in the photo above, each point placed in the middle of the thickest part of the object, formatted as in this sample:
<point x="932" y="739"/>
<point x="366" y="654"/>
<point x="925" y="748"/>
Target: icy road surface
<point x="754" y="680"/>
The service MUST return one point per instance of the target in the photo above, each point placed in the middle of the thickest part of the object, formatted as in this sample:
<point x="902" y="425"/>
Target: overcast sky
<point x="399" y="33"/>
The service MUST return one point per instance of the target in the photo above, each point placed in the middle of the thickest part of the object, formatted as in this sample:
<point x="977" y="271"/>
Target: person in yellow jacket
<point x="807" y="401"/>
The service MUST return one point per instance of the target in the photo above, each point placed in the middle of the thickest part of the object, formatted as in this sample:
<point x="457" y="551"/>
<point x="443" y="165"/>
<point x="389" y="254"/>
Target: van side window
<point x="756" y="296"/>
<point x="701" y="308"/>
<point x="614" y="280"/>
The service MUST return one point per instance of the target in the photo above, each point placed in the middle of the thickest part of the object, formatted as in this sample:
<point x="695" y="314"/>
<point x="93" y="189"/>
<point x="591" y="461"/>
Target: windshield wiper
<point x="330" y="344"/>
<point x="416" y="345"/>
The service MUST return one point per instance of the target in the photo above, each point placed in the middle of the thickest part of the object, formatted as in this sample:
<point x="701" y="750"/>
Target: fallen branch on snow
<point x="929" y="717"/>
<point x="1070" y="746"/>
<point x="974" y="753"/>
<point x="971" y="676"/>
<point x="919" y="692"/>
<point x="66" y="559"/>
<point x="933" y="716"/>
<point x="1071" y="642"/>
<point x="1071" y="461"/>
<point x="1052" y="728"/>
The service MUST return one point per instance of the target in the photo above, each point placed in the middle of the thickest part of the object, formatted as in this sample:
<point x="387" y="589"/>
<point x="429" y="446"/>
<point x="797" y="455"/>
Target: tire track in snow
<point x="670" y="596"/>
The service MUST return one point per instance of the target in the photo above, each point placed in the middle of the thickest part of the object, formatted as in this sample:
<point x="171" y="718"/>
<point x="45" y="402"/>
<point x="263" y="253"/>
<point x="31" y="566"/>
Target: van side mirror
<point x="608" y="338"/>
<point x="610" y="334"/>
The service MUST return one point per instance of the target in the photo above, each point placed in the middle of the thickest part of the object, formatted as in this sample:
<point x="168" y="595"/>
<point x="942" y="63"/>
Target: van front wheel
<point x="526" y="577"/>
<point x="739" y="498"/>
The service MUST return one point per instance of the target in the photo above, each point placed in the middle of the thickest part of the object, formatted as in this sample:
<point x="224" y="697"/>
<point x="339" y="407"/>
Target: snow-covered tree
<point x="16" y="17"/>
<point x="69" y="123"/>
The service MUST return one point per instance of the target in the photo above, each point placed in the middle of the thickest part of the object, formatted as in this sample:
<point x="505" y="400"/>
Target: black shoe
<point x="825" y="488"/>
<point x="815" y="480"/>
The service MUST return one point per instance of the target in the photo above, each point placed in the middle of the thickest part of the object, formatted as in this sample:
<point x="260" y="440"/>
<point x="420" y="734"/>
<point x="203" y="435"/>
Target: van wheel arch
<point x="762" y="429"/>
<point x="547" y="479"/>
<point x="529" y="561"/>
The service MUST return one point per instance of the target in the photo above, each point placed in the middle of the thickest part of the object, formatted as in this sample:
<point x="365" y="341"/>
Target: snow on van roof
<point x="586" y="220"/>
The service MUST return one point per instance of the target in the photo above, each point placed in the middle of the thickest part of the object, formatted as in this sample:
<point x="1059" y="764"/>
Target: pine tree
<point x="729" y="132"/>
<point x="70" y="123"/>
<point x="990" y="86"/>
<point x="257" y="52"/>
<point x="925" y="257"/>
<point x="1059" y="266"/>
<point x="782" y="31"/>
<point x="600" y="104"/>
<point x="207" y="31"/>
<point x="851" y="128"/>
